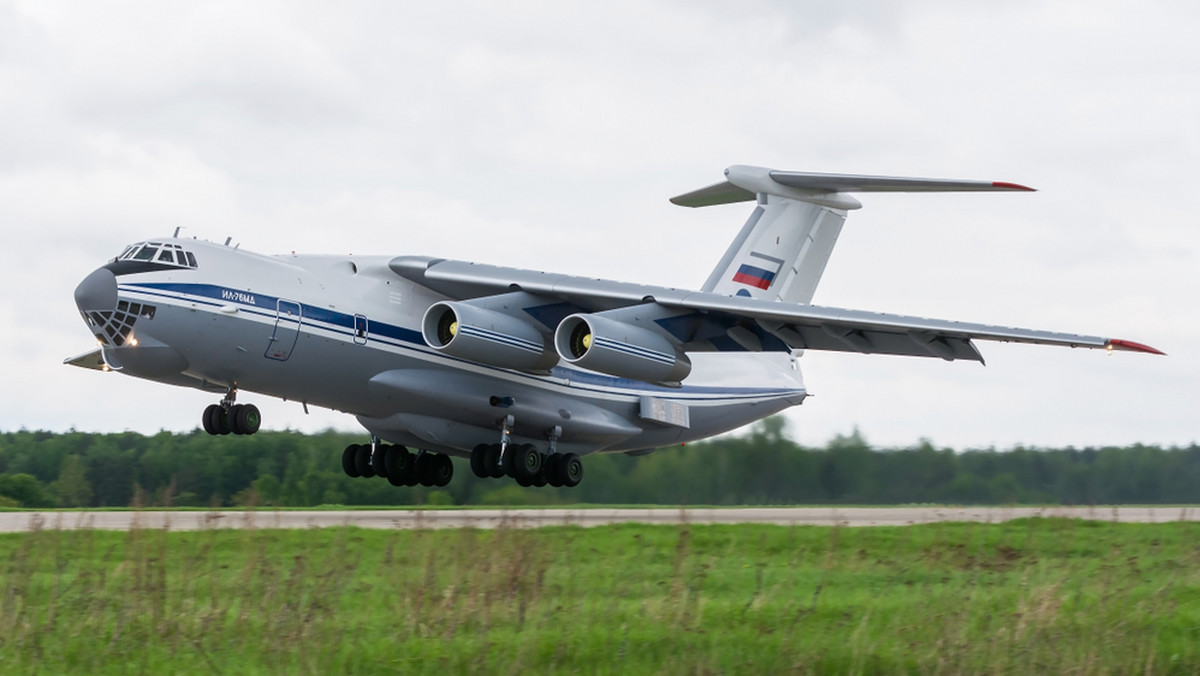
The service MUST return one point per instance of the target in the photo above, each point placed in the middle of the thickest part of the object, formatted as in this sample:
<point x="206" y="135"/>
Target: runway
<point x="15" y="522"/>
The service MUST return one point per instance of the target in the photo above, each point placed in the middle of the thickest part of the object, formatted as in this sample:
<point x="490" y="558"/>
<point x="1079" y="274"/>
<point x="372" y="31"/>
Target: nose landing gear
<point x="230" y="418"/>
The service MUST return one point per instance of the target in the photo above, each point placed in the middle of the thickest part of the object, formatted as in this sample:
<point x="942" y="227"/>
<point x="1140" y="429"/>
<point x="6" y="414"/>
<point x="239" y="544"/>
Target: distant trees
<point x="79" y="469"/>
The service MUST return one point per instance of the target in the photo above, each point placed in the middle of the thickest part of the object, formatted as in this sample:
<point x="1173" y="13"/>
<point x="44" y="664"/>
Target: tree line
<point x="761" y="467"/>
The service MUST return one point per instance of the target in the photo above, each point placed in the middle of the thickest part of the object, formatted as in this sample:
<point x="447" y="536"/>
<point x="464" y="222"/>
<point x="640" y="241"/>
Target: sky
<point x="549" y="135"/>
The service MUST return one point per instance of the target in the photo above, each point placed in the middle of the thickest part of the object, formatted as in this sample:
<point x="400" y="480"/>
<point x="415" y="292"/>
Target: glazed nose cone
<point x="97" y="291"/>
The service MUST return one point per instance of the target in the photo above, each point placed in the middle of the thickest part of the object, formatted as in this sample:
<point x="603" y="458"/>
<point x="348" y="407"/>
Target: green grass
<point x="1034" y="595"/>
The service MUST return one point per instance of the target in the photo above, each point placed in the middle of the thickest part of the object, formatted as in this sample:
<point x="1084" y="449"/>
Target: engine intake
<point x="470" y="332"/>
<point x="619" y="349"/>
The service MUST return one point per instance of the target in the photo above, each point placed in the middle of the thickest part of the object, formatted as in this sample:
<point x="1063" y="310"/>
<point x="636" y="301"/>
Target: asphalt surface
<point x="11" y="522"/>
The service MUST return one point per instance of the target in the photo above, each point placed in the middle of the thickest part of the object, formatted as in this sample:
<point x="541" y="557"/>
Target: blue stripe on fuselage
<point x="340" y="322"/>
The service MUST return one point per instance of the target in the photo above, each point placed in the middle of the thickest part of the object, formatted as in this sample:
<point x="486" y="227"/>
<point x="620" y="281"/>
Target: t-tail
<point x="781" y="251"/>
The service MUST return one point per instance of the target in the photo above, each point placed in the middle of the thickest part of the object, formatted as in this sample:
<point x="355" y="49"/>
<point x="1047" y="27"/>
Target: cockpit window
<point x="157" y="254"/>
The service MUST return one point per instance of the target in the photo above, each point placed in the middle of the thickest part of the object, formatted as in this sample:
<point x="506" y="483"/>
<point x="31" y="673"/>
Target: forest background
<point x="762" y="467"/>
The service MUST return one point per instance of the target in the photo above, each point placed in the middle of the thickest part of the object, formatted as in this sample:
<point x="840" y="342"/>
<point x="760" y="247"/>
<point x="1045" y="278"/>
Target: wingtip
<point x="1005" y="185"/>
<point x="1130" y="346"/>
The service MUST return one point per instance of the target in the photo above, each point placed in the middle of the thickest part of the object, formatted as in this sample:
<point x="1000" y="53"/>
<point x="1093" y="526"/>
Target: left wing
<point x="697" y="321"/>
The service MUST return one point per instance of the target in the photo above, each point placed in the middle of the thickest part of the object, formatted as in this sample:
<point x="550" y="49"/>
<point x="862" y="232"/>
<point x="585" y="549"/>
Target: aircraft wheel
<point x="362" y="461"/>
<point x="224" y="425"/>
<point x="424" y="467"/>
<point x="441" y="470"/>
<point x="209" y="419"/>
<point x="550" y="469"/>
<point x="527" y="462"/>
<point x="523" y="482"/>
<point x="539" y="480"/>
<point x="399" y="465"/>
<point x="494" y="468"/>
<point x="570" y="468"/>
<point x="348" y="456"/>
<point x="232" y="416"/>
<point x="479" y="461"/>
<point x="247" y="419"/>
<point x="377" y="458"/>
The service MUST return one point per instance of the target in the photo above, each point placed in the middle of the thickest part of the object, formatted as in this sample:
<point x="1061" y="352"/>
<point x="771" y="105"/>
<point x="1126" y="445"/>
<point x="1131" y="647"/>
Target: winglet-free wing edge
<point x="1130" y="346"/>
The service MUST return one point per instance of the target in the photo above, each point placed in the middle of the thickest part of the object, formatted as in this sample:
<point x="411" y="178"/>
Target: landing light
<point x="133" y="342"/>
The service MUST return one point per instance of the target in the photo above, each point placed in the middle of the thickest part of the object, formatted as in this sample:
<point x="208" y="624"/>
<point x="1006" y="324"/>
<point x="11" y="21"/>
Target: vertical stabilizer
<point x="781" y="252"/>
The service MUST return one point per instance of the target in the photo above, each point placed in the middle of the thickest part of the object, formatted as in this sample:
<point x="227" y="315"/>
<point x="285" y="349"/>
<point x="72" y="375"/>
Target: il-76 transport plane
<point x="522" y="371"/>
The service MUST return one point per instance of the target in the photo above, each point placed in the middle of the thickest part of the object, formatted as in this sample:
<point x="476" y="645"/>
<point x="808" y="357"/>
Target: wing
<point x="695" y="321"/>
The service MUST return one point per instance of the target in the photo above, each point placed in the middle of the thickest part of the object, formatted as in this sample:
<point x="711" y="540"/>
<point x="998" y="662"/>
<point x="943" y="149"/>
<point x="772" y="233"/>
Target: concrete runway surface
<point x="13" y="522"/>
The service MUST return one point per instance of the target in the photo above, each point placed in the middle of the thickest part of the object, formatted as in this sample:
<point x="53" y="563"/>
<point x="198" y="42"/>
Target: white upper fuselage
<point x="344" y="332"/>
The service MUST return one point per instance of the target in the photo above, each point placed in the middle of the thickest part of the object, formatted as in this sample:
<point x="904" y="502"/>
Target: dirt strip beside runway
<point x="11" y="522"/>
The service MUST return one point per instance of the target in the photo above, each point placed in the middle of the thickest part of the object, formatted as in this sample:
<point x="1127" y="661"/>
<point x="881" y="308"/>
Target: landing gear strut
<point x="230" y="418"/>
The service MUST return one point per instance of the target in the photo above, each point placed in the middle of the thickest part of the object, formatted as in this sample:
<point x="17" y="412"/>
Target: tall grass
<point x="1037" y="595"/>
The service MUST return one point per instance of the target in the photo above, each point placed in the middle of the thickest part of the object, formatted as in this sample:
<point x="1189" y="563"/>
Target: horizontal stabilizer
<point x="744" y="182"/>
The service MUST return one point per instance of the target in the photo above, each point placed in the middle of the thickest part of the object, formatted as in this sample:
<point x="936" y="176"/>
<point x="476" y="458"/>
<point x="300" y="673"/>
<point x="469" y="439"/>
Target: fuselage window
<point x="166" y="256"/>
<point x="191" y="259"/>
<point x="179" y="258"/>
<point x="145" y="254"/>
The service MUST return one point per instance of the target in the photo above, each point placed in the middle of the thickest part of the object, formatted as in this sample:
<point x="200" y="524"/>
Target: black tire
<point x="523" y="482"/>
<point x="539" y="480"/>
<point x="348" y="456"/>
<point x="509" y="461"/>
<point x="441" y="470"/>
<point x="377" y="463"/>
<point x="494" y="468"/>
<point x="247" y="419"/>
<point x="550" y="469"/>
<point x="527" y="462"/>
<point x="424" y="467"/>
<point x="362" y="461"/>
<point x="223" y="422"/>
<point x="397" y="462"/>
<point x="479" y="461"/>
<point x="570" y="468"/>
<point x="232" y="417"/>
<point x="209" y="419"/>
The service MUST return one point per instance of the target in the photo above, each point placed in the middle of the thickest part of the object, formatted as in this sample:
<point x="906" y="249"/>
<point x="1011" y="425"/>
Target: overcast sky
<point x="550" y="135"/>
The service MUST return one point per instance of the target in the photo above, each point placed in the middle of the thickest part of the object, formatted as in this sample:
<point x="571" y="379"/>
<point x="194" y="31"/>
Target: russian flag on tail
<point x="756" y="276"/>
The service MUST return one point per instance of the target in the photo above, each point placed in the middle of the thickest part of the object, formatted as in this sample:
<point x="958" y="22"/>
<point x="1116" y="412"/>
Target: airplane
<point x="523" y="372"/>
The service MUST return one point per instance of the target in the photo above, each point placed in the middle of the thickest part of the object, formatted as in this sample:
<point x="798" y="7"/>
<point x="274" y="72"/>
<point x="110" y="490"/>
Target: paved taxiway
<point x="11" y="522"/>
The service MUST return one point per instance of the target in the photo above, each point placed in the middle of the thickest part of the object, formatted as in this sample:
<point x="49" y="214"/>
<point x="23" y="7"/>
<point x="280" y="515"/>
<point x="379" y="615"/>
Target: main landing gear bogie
<point x="526" y="465"/>
<point x="397" y="465"/>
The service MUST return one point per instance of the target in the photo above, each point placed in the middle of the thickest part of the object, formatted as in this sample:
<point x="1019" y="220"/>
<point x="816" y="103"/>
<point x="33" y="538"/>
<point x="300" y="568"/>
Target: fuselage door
<point x="287" y="330"/>
<point x="361" y="330"/>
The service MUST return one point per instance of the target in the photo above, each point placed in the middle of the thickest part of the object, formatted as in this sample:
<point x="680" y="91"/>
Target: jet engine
<point x="620" y="349"/>
<point x="468" y="331"/>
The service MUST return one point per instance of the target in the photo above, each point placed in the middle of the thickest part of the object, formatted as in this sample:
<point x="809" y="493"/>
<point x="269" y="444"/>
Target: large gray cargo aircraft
<point x="521" y="371"/>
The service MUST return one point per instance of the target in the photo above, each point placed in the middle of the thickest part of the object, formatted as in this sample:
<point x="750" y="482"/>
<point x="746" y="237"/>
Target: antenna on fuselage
<point x="177" y="229"/>
<point x="228" y="240"/>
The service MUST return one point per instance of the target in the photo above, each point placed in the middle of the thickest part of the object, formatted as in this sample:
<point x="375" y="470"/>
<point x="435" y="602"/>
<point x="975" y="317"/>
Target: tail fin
<point x="781" y="251"/>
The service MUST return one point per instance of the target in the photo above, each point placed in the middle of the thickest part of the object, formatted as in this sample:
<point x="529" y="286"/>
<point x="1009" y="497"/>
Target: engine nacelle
<point x="471" y="332"/>
<point x="616" y="348"/>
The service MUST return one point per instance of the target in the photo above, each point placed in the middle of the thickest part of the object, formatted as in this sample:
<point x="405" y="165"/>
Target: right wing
<point x="698" y="321"/>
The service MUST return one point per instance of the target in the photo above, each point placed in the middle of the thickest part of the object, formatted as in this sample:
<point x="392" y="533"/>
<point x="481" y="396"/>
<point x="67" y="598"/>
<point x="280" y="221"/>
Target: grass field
<point x="1027" y="596"/>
